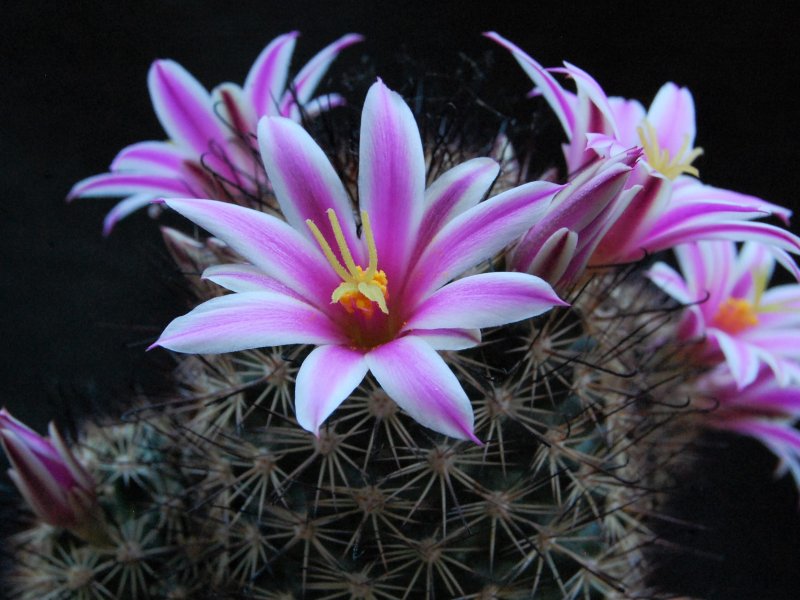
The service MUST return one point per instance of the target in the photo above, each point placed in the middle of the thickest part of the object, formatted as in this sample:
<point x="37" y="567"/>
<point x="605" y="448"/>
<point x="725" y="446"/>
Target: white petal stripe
<point x="326" y="378"/>
<point x="485" y="300"/>
<point x="416" y="377"/>
<point x="248" y="320"/>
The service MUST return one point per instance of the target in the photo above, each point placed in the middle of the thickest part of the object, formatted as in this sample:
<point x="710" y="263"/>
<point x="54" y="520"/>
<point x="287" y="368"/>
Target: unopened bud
<point x="52" y="481"/>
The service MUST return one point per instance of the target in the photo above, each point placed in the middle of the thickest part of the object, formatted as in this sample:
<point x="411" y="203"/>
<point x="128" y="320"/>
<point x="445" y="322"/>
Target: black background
<point x="78" y="309"/>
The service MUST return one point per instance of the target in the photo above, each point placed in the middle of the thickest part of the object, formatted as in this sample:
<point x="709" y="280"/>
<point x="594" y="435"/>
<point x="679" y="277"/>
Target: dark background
<point x="78" y="309"/>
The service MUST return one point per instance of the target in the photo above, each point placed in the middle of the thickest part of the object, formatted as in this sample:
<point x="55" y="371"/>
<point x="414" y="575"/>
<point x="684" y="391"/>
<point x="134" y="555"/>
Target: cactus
<point x="584" y="413"/>
<point x="218" y="493"/>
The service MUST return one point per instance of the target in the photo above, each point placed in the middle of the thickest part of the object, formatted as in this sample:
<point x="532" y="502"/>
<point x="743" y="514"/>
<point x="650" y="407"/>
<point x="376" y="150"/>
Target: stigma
<point x="659" y="158"/>
<point x="361" y="289"/>
<point x="735" y="315"/>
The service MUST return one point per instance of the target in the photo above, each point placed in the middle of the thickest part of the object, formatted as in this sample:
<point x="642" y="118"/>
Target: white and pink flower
<point x="764" y="409"/>
<point x="730" y="308"/>
<point x="672" y="205"/>
<point x="52" y="481"/>
<point x="382" y="301"/>
<point x="211" y="147"/>
<point x="559" y="247"/>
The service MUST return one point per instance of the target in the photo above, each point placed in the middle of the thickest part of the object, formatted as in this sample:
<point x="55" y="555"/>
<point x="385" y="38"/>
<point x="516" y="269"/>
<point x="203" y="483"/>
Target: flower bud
<point x="56" y="487"/>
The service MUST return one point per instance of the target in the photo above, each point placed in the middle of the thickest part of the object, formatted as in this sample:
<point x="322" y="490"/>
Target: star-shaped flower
<point x="730" y="307"/>
<point x="210" y="151"/>
<point x="382" y="301"/>
<point x="672" y="205"/>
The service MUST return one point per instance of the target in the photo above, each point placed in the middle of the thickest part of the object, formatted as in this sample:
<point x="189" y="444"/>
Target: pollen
<point x="735" y="315"/>
<point x="361" y="289"/>
<point x="660" y="159"/>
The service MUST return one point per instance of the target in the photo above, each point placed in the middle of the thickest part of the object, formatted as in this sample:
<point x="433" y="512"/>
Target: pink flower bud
<point x="58" y="489"/>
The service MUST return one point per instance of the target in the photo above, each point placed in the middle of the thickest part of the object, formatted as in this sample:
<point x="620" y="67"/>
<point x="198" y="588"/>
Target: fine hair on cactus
<point x="422" y="358"/>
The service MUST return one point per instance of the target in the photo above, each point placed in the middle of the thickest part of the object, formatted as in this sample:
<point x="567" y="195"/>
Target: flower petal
<point x="31" y="440"/>
<point x="454" y="192"/>
<point x="742" y="358"/>
<point x="238" y="115"/>
<point x="326" y="378"/>
<point x="127" y="184"/>
<point x="245" y="278"/>
<point x="590" y="89"/>
<point x="709" y="270"/>
<point x="628" y="115"/>
<point x="391" y="177"/>
<point x="559" y="100"/>
<point x="688" y="190"/>
<point x="248" y="320"/>
<point x="267" y="242"/>
<point x="52" y="510"/>
<point x="592" y="236"/>
<point x="125" y="208"/>
<point x="318" y="105"/>
<point x="80" y="476"/>
<point x="307" y="80"/>
<point x="553" y="257"/>
<point x="449" y="339"/>
<point x="670" y="281"/>
<point x="304" y="181"/>
<point x="266" y="80"/>
<point x="485" y="300"/>
<point x="185" y="111"/>
<point x="672" y="116"/>
<point x="781" y="340"/>
<point x="478" y="234"/>
<point x="45" y="478"/>
<point x="685" y="215"/>
<point x="151" y="157"/>
<point x="623" y="241"/>
<point x="589" y="201"/>
<point x="785" y="400"/>
<point x="419" y="381"/>
<point x="782" y="298"/>
<point x="780" y="437"/>
<point x="691" y="262"/>
<point x="713" y="229"/>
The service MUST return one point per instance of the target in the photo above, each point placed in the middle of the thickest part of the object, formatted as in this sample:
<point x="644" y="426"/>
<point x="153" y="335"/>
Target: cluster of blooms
<point x="745" y="333"/>
<point x="382" y="289"/>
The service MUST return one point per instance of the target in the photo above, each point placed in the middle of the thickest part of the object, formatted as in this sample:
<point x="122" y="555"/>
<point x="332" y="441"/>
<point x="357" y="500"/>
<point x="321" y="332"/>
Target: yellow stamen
<point x="326" y="249"/>
<point x="760" y="281"/>
<point x="360" y="289"/>
<point x="659" y="158"/>
<point x="735" y="315"/>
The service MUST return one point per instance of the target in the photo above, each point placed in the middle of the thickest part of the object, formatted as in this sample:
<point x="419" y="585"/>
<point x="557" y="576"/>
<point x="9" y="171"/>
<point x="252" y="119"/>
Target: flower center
<point x="735" y="315"/>
<point x="361" y="289"/>
<point x="660" y="159"/>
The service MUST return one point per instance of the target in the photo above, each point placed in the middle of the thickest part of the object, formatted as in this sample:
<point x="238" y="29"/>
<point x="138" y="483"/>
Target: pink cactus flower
<point x="210" y="151"/>
<point x="54" y="484"/>
<point x="558" y="248"/>
<point x="730" y="307"/>
<point x="780" y="437"/>
<point x="765" y="410"/>
<point x="383" y="301"/>
<point x="672" y="206"/>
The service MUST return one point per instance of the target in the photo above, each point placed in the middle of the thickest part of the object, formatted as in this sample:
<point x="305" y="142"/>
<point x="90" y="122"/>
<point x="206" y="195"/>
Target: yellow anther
<point x="660" y="159"/>
<point x="360" y="289"/>
<point x="735" y="315"/>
